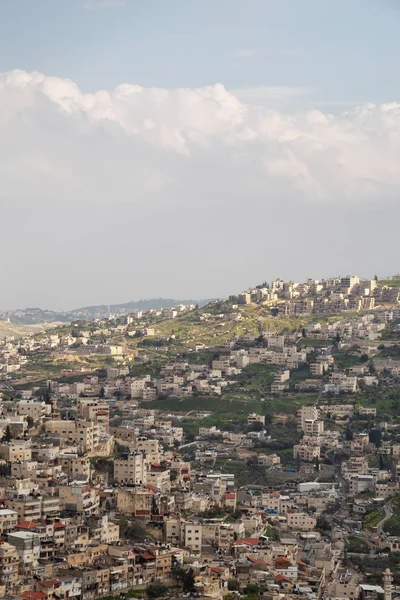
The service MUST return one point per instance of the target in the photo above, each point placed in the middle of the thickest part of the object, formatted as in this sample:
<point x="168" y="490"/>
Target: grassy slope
<point x="389" y="282"/>
<point x="9" y="329"/>
<point x="188" y="328"/>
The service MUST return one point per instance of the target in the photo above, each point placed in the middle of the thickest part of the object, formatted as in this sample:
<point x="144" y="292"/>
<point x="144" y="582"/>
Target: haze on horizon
<point x="192" y="149"/>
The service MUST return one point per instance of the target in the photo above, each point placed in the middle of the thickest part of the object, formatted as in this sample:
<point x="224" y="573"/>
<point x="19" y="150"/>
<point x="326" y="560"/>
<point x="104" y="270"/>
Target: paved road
<point x="388" y="508"/>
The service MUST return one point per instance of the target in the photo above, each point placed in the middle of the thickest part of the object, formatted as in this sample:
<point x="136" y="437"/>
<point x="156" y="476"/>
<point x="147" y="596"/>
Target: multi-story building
<point x="34" y="409"/>
<point x="27" y="545"/>
<point x="9" y="565"/>
<point x="192" y="536"/>
<point x="80" y="498"/>
<point x="130" y="469"/>
<point x="84" y="434"/>
<point x="301" y="521"/>
<point x="8" y="520"/>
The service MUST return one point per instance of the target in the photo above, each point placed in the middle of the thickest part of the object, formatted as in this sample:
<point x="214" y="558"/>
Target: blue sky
<point x="342" y="50"/>
<point x="270" y="147"/>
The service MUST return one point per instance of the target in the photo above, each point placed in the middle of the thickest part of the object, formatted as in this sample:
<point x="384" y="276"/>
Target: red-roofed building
<point x="31" y="595"/>
<point x="230" y="500"/>
<point x="50" y="587"/>
<point x="247" y="542"/>
<point x="244" y="545"/>
<point x="27" y="526"/>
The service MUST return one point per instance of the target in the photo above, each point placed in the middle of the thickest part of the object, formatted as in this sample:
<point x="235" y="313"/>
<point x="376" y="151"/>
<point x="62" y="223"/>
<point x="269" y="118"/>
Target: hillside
<point x="32" y="316"/>
<point x="18" y="330"/>
<point x="209" y="326"/>
<point x="103" y="310"/>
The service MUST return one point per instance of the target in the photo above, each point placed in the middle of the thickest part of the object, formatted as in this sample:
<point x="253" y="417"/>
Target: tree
<point x="30" y="421"/>
<point x="323" y="523"/>
<point x="364" y="358"/>
<point x="298" y="462"/>
<point x="188" y="581"/>
<point x="338" y="338"/>
<point x="102" y="392"/>
<point x="156" y="589"/>
<point x="316" y="463"/>
<point x="381" y="462"/>
<point x="376" y="277"/>
<point x="233" y="585"/>
<point x="154" y="506"/>
<point x="349" y="434"/>
<point x="375" y="437"/>
<point x="251" y="589"/>
<point x="304" y="333"/>
<point x="8" y="434"/>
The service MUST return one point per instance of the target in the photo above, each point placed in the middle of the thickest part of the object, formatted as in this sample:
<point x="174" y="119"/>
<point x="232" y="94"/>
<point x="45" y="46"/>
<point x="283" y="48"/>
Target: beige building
<point x="192" y="534"/>
<point x="8" y="520"/>
<point x="135" y="501"/>
<point x="26" y="469"/>
<point x="80" y="498"/>
<point x="130" y="469"/>
<point x="307" y="413"/>
<point x="92" y="409"/>
<point x="307" y="451"/>
<point x="301" y="521"/>
<point x="268" y="460"/>
<point x="75" y="467"/>
<point x="84" y="434"/>
<point x="16" y="450"/>
<point x="9" y="565"/>
<point x="35" y="410"/>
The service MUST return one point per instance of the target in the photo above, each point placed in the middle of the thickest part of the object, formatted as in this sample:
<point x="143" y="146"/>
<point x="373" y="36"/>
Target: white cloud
<point x="273" y="92"/>
<point x="103" y="4"/>
<point x="117" y="188"/>
<point x="245" y="52"/>
<point x="323" y="156"/>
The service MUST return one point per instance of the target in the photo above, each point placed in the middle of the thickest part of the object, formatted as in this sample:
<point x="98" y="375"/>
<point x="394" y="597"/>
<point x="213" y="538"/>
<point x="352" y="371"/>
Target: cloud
<point x="103" y="4"/>
<point x="274" y="92"/>
<point x="245" y="52"/>
<point x="111" y="194"/>
<point x="345" y="157"/>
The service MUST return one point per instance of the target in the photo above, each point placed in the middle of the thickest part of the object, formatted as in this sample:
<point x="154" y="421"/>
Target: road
<point x="388" y="508"/>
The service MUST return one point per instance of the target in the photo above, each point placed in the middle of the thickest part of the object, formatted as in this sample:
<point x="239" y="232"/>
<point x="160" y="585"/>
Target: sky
<point x="194" y="148"/>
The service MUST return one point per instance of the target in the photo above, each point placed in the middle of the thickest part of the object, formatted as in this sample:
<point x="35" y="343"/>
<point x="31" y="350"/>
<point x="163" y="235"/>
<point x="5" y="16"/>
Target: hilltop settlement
<point x="248" y="448"/>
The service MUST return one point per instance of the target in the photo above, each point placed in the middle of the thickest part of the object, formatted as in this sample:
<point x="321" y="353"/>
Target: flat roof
<point x="23" y="535"/>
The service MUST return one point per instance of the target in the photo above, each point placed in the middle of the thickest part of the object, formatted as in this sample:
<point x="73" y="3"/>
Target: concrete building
<point x="131" y="469"/>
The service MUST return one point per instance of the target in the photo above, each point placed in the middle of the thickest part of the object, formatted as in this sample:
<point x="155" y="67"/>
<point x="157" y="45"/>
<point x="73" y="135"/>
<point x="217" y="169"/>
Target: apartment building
<point x="192" y="534"/>
<point x="84" y="434"/>
<point x="16" y="450"/>
<point x="8" y="520"/>
<point x="80" y="498"/>
<point x="130" y="469"/>
<point x="9" y="565"/>
<point x="34" y="409"/>
<point x="27" y="545"/>
<point x="136" y="502"/>
<point x="300" y="521"/>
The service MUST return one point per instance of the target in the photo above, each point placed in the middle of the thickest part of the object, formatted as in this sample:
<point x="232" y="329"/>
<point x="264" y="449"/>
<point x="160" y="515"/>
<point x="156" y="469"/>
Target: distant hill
<point x="32" y="316"/>
<point x="90" y="312"/>
<point x="8" y="329"/>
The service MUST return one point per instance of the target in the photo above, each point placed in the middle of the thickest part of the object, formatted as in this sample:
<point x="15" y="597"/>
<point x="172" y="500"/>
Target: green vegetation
<point x="256" y="377"/>
<point x="392" y="525"/>
<point x="306" y="342"/>
<point x="231" y="404"/>
<point x="346" y="360"/>
<point x="389" y="282"/>
<point x="355" y="544"/>
<point x="373" y="518"/>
